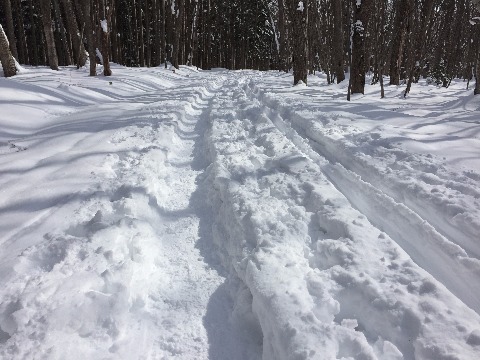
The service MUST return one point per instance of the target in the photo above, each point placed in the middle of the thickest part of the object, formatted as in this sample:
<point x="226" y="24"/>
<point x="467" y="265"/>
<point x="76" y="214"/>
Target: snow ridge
<point x="396" y="219"/>
<point x="283" y="217"/>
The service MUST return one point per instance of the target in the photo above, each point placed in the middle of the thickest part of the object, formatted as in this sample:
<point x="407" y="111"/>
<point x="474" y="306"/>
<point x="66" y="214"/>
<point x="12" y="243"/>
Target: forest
<point x="402" y="39"/>
<point x="240" y="179"/>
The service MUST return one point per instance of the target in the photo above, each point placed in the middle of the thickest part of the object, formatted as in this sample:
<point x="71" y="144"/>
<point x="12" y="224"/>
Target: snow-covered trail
<point x="404" y="221"/>
<point x="227" y="215"/>
<point x="338" y="251"/>
<point x="124" y="267"/>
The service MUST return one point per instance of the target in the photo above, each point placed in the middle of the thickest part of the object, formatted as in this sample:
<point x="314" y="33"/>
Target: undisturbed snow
<point x="228" y="215"/>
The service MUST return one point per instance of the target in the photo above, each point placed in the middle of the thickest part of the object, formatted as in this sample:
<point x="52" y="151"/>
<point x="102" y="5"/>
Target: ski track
<point x="385" y="210"/>
<point x="221" y="225"/>
<point x="340" y="294"/>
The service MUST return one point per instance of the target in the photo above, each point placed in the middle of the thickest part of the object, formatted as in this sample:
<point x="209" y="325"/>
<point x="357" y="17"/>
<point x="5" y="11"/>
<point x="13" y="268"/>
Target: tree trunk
<point x="338" y="40"/>
<point x="74" y="32"/>
<point x="399" y="35"/>
<point x="45" y="8"/>
<point x="477" y="70"/>
<point x="64" y="56"/>
<point x="163" y="42"/>
<point x="357" y="74"/>
<point x="105" y="17"/>
<point x="178" y="31"/>
<point x="22" y="42"/>
<point x="299" y="16"/>
<point x="34" y="59"/>
<point x="148" y="46"/>
<point x="10" y="29"/>
<point x="8" y="62"/>
<point x="87" y="13"/>
<point x="282" y="29"/>
<point x="420" y="47"/>
<point x="157" y="34"/>
<point x="139" y="29"/>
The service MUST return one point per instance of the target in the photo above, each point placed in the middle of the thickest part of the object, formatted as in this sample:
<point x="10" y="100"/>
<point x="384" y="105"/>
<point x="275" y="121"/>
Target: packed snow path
<point x="125" y="268"/>
<point x="226" y="215"/>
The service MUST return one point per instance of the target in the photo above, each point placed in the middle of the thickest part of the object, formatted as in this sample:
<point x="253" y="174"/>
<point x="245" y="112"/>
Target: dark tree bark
<point x="178" y="15"/>
<point x="477" y="70"/>
<point x="399" y="35"/>
<point x="87" y="13"/>
<point x="139" y="30"/>
<point x="325" y="33"/>
<point x="420" y="45"/>
<point x="299" y="15"/>
<point x="78" y="49"/>
<point x="157" y="33"/>
<point x="105" y="17"/>
<point x="64" y="50"/>
<point x="8" y="63"/>
<point x="163" y="32"/>
<point x="283" y="34"/>
<point x="21" y="39"/>
<point x="45" y="9"/>
<point x="34" y="60"/>
<point x="148" y="45"/>
<point x="338" y="40"/>
<point x="113" y="36"/>
<point x="357" y="73"/>
<point x="193" y="36"/>
<point x="9" y="28"/>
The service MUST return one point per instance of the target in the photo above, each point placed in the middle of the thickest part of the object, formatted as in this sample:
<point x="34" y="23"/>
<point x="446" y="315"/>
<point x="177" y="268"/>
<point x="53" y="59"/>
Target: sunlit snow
<point x="188" y="214"/>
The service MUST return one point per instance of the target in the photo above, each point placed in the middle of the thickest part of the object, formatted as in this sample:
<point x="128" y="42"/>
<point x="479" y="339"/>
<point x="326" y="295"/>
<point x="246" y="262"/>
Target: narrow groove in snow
<point x="446" y="261"/>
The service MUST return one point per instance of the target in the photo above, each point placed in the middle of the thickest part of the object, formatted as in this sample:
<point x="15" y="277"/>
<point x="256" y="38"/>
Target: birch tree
<point x="6" y="57"/>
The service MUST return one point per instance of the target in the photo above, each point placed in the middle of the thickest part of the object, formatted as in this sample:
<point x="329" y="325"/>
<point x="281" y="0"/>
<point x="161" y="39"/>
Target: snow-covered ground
<point x="228" y="215"/>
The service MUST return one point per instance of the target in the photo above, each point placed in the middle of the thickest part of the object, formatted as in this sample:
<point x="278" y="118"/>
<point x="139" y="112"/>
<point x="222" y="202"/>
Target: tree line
<point x="402" y="39"/>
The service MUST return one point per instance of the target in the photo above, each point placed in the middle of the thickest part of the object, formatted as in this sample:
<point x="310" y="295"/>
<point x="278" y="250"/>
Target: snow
<point x="99" y="55"/>
<point x="229" y="215"/>
<point x="300" y="6"/>
<point x="104" y="25"/>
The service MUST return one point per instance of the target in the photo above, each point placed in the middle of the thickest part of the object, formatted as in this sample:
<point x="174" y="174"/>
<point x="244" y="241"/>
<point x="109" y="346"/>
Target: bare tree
<point x="63" y="52"/>
<point x="361" y="10"/>
<point x="477" y="70"/>
<point x="399" y="36"/>
<point x="177" y="15"/>
<point x="87" y="9"/>
<point x="34" y="58"/>
<point x="10" y="29"/>
<point x="338" y="40"/>
<point x="421" y="36"/>
<point x="45" y="8"/>
<point x="8" y="62"/>
<point x="78" y="48"/>
<point x="105" y="18"/>
<point x="21" y="39"/>
<point x="476" y="3"/>
<point x="139" y="29"/>
<point x="283" y="36"/>
<point x="299" y="14"/>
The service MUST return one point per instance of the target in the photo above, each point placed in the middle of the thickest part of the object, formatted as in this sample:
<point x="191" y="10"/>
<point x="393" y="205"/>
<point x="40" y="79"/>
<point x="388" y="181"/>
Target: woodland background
<point x="402" y="39"/>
